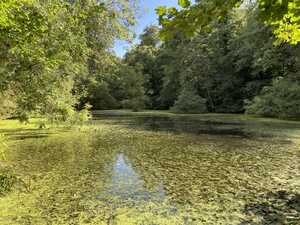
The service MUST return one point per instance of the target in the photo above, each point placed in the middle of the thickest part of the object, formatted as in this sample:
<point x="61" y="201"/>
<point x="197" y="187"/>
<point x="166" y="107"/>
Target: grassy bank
<point x="14" y="130"/>
<point x="9" y="124"/>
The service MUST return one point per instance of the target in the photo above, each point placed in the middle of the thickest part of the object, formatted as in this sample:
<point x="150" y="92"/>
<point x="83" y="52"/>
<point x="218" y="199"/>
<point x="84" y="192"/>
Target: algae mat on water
<point x="140" y="172"/>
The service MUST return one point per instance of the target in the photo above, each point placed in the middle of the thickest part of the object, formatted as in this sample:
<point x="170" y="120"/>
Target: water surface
<point x="152" y="170"/>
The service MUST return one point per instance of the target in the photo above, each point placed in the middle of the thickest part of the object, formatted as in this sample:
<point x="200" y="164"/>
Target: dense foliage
<point x="210" y="56"/>
<point x="281" y="99"/>
<point x="47" y="46"/>
<point x="282" y="15"/>
<point x="231" y="67"/>
<point x="189" y="102"/>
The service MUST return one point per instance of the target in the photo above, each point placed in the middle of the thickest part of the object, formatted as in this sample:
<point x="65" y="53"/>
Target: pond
<point x="152" y="170"/>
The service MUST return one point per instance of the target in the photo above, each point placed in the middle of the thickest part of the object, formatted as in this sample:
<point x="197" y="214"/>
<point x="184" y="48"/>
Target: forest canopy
<point x="49" y="48"/>
<point x="282" y="15"/>
<point x="221" y="56"/>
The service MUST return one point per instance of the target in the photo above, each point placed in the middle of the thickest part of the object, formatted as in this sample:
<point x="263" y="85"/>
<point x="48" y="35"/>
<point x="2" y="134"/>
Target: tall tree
<point x="228" y="65"/>
<point x="45" y="44"/>
<point x="144" y="56"/>
<point x="282" y="15"/>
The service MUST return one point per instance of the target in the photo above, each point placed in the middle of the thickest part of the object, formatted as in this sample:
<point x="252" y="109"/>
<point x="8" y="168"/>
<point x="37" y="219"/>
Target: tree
<point x="228" y="65"/>
<point x="132" y="86"/>
<point x="144" y="56"/>
<point x="48" y="43"/>
<point x="35" y="57"/>
<point x="282" y="15"/>
<point x="282" y="99"/>
<point x="100" y="96"/>
<point x="190" y="102"/>
<point x="150" y="36"/>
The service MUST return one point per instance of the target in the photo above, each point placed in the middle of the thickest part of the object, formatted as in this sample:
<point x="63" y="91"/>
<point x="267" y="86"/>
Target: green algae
<point x="137" y="172"/>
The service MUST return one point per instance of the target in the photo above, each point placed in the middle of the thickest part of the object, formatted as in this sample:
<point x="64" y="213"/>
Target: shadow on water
<point x="275" y="208"/>
<point x="178" y="125"/>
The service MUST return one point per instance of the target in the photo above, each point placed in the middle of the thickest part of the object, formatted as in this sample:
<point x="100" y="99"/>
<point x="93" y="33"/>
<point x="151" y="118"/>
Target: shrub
<point x="190" y="102"/>
<point x="135" y="104"/>
<point x="61" y="106"/>
<point x="282" y="99"/>
<point x="101" y="97"/>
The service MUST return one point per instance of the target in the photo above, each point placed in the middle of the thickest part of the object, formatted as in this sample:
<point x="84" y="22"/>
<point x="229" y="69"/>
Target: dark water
<point x="152" y="170"/>
<point x="181" y="125"/>
<point x="212" y="126"/>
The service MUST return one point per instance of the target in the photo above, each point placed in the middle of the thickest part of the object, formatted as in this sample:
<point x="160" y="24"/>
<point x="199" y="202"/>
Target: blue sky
<point x="148" y="17"/>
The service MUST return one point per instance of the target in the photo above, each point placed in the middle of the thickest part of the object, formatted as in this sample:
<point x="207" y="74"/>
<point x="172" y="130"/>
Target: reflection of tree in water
<point x="277" y="208"/>
<point x="181" y="125"/>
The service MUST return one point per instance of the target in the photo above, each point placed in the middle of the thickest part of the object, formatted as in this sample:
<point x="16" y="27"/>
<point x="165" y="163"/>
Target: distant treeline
<point x="235" y="67"/>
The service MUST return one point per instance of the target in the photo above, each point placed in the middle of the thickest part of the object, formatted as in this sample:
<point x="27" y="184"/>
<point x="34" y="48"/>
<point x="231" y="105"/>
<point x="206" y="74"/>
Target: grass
<point x="213" y="117"/>
<point x="16" y="124"/>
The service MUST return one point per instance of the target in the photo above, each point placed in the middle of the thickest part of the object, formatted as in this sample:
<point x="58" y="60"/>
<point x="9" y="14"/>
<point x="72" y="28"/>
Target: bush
<point x="135" y="104"/>
<point x="132" y="87"/>
<point x="61" y="106"/>
<point x="282" y="100"/>
<point x="190" y="102"/>
<point x="101" y="97"/>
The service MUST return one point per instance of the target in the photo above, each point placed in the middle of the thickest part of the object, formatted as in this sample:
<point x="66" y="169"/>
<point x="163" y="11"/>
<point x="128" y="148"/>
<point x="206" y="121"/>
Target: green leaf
<point x="184" y="3"/>
<point x="172" y="11"/>
<point x="161" y="10"/>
